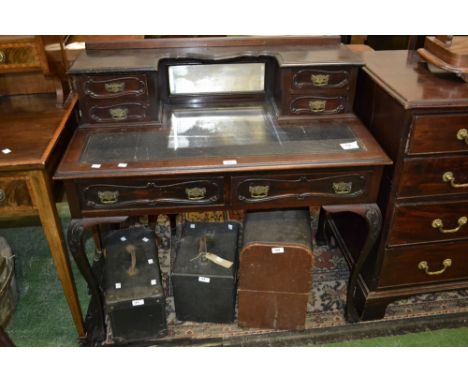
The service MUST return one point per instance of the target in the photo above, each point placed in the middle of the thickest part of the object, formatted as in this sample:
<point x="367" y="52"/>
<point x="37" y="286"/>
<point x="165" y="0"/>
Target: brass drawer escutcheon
<point x="462" y="135"/>
<point x="119" y="114"/>
<point x="115" y="87"/>
<point x="2" y="195"/>
<point x="342" y="187"/>
<point x="437" y="223"/>
<point x="449" y="177"/>
<point x="320" y="79"/>
<point x="317" y="106"/>
<point x="2" y="57"/>
<point x="259" y="192"/>
<point x="196" y="193"/>
<point x="423" y="266"/>
<point x="108" y="197"/>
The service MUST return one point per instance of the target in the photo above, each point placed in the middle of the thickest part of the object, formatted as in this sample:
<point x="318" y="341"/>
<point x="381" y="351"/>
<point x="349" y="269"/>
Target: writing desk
<point x="161" y="134"/>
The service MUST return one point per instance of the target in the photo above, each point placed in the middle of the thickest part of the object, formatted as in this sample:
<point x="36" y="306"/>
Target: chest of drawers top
<point x="405" y="77"/>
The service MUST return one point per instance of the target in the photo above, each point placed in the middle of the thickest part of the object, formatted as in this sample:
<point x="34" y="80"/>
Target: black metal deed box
<point x="134" y="297"/>
<point x="204" y="273"/>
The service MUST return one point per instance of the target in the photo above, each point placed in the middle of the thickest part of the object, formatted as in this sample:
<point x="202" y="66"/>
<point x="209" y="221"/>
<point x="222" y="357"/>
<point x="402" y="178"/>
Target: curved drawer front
<point x="111" y="194"/>
<point x="439" y="133"/>
<point x="435" y="176"/>
<point x="315" y="79"/>
<point x="14" y="195"/>
<point x="425" y="264"/>
<point x="106" y="87"/>
<point x="429" y="222"/>
<point x="119" y="112"/>
<point x="312" y="105"/>
<point x="299" y="188"/>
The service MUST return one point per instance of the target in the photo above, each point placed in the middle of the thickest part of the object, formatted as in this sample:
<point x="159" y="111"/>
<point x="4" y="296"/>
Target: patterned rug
<point x="326" y="301"/>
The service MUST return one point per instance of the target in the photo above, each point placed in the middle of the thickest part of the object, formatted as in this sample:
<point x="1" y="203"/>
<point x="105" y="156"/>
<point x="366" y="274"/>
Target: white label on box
<point x="204" y="279"/>
<point x="192" y="226"/>
<point x="123" y="165"/>
<point x="349" y="145"/>
<point x="138" y="302"/>
<point x="230" y="226"/>
<point x="6" y="151"/>
<point x="229" y="162"/>
<point x="277" y="250"/>
<point x="150" y="261"/>
<point x="118" y="285"/>
<point x="123" y="238"/>
<point x="96" y="165"/>
<point x="153" y="282"/>
<point x="145" y="239"/>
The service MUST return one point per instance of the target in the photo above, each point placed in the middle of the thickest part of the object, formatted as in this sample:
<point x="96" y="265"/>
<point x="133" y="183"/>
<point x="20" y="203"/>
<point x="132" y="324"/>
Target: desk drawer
<point x="424" y="264"/>
<point x="314" y="105"/>
<point x="114" y="86"/>
<point x="295" y="189"/>
<point x="102" y="112"/>
<point x="111" y="194"/>
<point x="14" y="195"/>
<point x="319" y="79"/>
<point x="434" y="176"/>
<point x="439" y="133"/>
<point x="429" y="222"/>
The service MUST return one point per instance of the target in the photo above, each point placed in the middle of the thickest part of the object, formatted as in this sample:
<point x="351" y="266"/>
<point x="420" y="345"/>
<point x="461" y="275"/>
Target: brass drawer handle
<point x="317" y="106"/>
<point x="462" y="135"/>
<point x="108" y="197"/>
<point x="437" y="223"/>
<point x="320" y="79"/>
<point x="119" y="114"/>
<point x="449" y="177"/>
<point x="342" y="187"/>
<point x="423" y="266"/>
<point x="259" y="192"/>
<point x="2" y="57"/>
<point x="195" y="193"/>
<point x="115" y="87"/>
<point x="2" y="195"/>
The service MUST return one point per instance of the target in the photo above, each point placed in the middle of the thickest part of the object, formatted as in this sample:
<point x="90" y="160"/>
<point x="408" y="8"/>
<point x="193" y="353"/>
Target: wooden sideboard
<point x="421" y="121"/>
<point x="156" y="138"/>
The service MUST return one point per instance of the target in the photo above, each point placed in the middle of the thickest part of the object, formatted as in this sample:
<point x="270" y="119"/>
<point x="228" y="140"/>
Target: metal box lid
<point x="131" y="268"/>
<point x="199" y="239"/>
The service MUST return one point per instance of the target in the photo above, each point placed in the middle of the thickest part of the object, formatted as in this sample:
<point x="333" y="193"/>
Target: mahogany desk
<point x="33" y="134"/>
<point x="161" y="132"/>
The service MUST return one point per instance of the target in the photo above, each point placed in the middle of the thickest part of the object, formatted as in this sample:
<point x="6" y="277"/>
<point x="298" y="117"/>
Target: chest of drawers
<point x="420" y="120"/>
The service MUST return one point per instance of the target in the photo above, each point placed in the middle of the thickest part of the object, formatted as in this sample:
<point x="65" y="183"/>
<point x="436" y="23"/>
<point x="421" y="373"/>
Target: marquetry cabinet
<point x="421" y="120"/>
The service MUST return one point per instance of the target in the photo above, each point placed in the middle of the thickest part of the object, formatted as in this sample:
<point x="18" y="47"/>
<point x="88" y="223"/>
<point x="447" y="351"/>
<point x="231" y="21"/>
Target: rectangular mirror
<point x="217" y="78"/>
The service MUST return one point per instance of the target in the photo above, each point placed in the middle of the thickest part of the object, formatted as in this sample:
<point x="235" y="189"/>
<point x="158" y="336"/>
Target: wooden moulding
<point x="158" y="43"/>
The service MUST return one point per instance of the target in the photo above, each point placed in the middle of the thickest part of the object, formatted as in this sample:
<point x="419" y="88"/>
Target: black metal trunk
<point x="205" y="291"/>
<point x="134" y="297"/>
